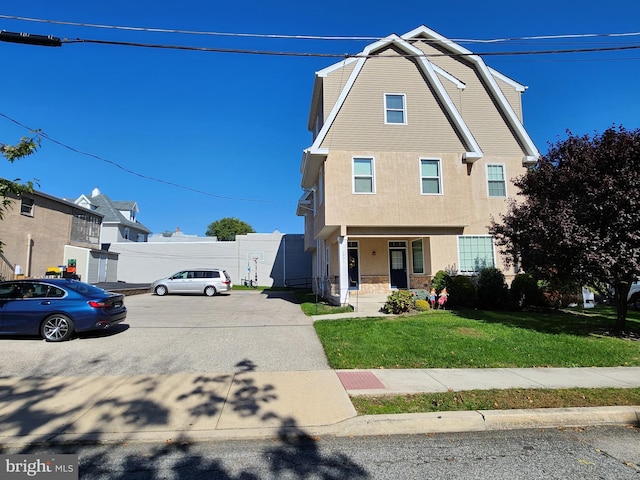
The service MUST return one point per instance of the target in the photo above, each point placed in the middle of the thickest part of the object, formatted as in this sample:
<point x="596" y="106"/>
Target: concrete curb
<point x="486" y="420"/>
<point x="370" y="425"/>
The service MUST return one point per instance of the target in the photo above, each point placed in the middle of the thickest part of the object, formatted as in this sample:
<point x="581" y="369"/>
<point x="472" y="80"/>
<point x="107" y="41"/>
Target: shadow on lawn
<point x="580" y="322"/>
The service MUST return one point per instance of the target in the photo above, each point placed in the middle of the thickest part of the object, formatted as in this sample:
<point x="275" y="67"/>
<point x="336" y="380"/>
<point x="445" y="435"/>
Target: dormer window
<point x="395" y="108"/>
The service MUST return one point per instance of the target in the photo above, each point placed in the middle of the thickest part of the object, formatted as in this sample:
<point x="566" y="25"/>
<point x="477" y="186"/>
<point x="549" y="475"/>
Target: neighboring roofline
<point x="63" y="201"/>
<point x="473" y="149"/>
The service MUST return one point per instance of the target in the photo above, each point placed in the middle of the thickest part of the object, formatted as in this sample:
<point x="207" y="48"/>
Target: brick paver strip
<point x="360" y="381"/>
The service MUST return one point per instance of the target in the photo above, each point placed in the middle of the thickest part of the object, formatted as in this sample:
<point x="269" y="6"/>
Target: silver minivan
<point x="209" y="281"/>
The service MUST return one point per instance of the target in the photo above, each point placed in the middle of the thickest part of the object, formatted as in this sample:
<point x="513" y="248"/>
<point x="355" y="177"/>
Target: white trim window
<point x="395" y="108"/>
<point x="496" y="184"/>
<point x="26" y="206"/>
<point x="475" y="252"/>
<point x="363" y="175"/>
<point x="430" y="176"/>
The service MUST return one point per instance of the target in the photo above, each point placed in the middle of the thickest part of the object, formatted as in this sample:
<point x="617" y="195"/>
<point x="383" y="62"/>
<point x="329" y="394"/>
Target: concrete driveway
<point x="181" y="334"/>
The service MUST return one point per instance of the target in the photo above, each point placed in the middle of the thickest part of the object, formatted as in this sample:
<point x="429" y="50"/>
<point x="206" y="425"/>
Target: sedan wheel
<point x="210" y="291"/>
<point x="57" y="328"/>
<point x="161" y="290"/>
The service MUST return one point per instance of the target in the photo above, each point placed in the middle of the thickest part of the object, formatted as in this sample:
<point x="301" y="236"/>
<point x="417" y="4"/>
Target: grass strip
<point x="495" y="400"/>
<point x="311" y="304"/>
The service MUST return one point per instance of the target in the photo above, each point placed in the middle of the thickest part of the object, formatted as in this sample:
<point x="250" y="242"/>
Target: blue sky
<point x="197" y="136"/>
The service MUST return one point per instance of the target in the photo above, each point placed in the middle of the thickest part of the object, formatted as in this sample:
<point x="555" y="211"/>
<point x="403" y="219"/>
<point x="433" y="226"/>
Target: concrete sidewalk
<point x="249" y="404"/>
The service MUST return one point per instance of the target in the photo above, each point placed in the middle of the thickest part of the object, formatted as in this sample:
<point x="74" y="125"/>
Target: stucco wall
<point x="278" y="257"/>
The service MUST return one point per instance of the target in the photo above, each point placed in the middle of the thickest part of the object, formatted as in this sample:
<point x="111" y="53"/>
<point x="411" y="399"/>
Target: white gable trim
<point x="474" y="151"/>
<point x="487" y="75"/>
<point x="510" y="81"/>
<point x="336" y="66"/>
<point x="449" y="77"/>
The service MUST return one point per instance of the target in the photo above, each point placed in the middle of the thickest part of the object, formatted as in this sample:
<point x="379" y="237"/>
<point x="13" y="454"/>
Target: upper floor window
<point x="430" y="176"/>
<point x="475" y="252"/>
<point x="26" y="206"/>
<point x="363" y="175"/>
<point x="496" y="183"/>
<point x="126" y="233"/>
<point x="395" y="108"/>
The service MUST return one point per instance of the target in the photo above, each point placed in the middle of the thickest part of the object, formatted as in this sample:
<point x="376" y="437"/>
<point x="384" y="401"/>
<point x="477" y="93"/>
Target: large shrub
<point x="400" y="301"/>
<point x="525" y="291"/>
<point x="492" y="289"/>
<point x="441" y="280"/>
<point x="462" y="291"/>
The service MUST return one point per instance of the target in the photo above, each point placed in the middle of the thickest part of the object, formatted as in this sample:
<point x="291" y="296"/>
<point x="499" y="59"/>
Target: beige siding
<point x="477" y="107"/>
<point x="513" y="96"/>
<point x="455" y="93"/>
<point x="360" y="122"/>
<point x="333" y="85"/>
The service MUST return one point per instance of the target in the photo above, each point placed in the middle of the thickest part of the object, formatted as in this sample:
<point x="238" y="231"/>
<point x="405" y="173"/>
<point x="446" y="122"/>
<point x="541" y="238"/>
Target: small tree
<point x="8" y="188"/>
<point x="227" y="228"/>
<point x="579" y="222"/>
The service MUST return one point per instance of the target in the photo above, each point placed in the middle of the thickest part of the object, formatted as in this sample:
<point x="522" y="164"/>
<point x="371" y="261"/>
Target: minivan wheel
<point x="210" y="291"/>
<point x="161" y="290"/>
<point x="57" y="328"/>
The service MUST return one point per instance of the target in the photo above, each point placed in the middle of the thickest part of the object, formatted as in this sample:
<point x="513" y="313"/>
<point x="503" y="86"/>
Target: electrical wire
<point x="310" y="37"/>
<point x="347" y="55"/>
<point x="41" y="134"/>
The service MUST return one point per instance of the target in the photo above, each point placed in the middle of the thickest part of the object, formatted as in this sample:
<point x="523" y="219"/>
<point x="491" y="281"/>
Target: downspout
<point x="28" y="264"/>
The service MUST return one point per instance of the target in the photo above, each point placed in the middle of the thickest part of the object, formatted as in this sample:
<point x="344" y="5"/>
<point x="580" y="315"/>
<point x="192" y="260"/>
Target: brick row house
<point x="415" y="143"/>
<point x="41" y="233"/>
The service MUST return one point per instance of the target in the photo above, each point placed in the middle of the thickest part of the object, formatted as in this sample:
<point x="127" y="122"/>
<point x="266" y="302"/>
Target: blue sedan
<point x="55" y="309"/>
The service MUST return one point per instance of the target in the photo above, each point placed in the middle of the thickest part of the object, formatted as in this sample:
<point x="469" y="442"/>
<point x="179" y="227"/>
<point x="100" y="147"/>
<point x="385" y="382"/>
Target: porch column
<point x="343" y="257"/>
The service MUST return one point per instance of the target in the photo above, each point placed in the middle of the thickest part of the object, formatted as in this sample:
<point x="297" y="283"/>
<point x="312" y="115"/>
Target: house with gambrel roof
<point x="119" y="223"/>
<point x="415" y="143"/>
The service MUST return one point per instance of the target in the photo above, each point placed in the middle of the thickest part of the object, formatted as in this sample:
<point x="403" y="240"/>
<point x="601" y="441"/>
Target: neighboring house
<point x="415" y="143"/>
<point x="120" y="223"/>
<point x="41" y="233"/>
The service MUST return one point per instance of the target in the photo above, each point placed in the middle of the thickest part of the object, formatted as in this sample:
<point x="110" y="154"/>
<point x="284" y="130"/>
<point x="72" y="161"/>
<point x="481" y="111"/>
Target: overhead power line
<point x="137" y="174"/>
<point x="347" y="55"/>
<point x="309" y="37"/>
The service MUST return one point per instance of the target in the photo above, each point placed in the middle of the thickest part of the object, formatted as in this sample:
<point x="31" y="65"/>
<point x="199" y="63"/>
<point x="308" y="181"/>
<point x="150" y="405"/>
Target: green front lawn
<point x="482" y="339"/>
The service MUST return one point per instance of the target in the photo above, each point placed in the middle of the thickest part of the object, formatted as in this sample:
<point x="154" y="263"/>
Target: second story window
<point x="126" y="233"/>
<point x="26" y="206"/>
<point x="430" y="178"/>
<point x="363" y="177"/>
<point x="495" y="178"/>
<point x="395" y="108"/>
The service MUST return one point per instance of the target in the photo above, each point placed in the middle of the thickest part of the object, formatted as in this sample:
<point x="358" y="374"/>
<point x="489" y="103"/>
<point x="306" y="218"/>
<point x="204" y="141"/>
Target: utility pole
<point x="27" y="38"/>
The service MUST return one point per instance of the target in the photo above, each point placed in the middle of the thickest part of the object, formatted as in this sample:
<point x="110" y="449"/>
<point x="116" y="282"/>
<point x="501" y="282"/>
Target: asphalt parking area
<point x="181" y="334"/>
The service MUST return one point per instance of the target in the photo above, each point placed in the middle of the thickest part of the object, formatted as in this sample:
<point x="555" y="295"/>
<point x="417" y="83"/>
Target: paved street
<point x="562" y="454"/>
<point x="180" y="334"/>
